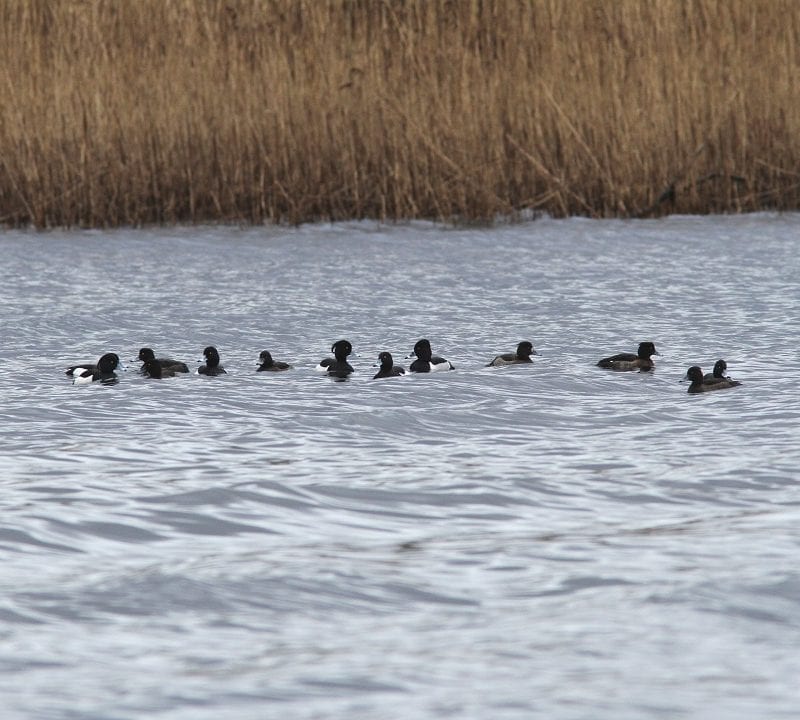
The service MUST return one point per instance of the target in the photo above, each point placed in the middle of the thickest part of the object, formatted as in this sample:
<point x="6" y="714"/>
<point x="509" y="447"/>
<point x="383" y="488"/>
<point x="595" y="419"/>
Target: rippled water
<point x="553" y="541"/>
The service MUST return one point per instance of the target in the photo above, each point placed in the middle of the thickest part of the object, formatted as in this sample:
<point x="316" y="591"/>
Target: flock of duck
<point x="104" y="370"/>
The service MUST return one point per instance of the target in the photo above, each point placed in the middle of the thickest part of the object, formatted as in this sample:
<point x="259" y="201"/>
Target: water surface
<point x="551" y="541"/>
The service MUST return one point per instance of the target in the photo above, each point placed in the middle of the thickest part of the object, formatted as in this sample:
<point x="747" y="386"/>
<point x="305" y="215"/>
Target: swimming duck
<point x="154" y="369"/>
<point x="695" y="375"/>
<point x="719" y="372"/>
<point x="270" y="365"/>
<point x="522" y="355"/>
<point x="629" y="361"/>
<point x="426" y="361"/>
<point x="388" y="368"/>
<point x="102" y="371"/>
<point x="147" y="353"/>
<point x="212" y="366"/>
<point x="337" y="366"/>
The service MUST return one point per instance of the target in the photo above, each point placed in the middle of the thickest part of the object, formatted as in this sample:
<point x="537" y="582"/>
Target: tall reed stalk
<point x="160" y="111"/>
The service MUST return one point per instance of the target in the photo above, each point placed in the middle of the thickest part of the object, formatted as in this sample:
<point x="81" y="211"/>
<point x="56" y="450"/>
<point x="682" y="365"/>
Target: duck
<point x="102" y="371"/>
<point x="337" y="366"/>
<point x="387" y="367"/>
<point x="212" y="366"/>
<point x="698" y="385"/>
<point x="426" y="361"/>
<point x="154" y="369"/>
<point x="718" y="374"/>
<point x="628" y="361"/>
<point x="147" y="353"/>
<point x="522" y="355"/>
<point x="268" y="364"/>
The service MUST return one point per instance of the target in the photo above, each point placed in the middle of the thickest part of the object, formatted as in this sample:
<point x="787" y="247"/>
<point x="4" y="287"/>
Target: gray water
<point x="545" y="541"/>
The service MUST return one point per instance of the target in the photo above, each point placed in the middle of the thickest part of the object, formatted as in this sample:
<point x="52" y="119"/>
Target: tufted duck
<point x="629" y="361"/>
<point x="522" y="355"/>
<point x="147" y="353"/>
<point x="102" y="371"/>
<point x="337" y="366"/>
<point x="154" y="369"/>
<point x="212" y="366"/>
<point x="719" y="372"/>
<point x="387" y="367"/>
<point x="268" y="364"/>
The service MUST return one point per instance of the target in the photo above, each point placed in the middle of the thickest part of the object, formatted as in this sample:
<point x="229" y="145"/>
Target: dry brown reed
<point x="125" y="112"/>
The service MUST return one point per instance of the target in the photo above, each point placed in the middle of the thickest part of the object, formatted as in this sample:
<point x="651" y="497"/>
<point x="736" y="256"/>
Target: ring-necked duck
<point x="270" y="365"/>
<point x="426" y="361"/>
<point x="629" y="361"/>
<point x="719" y="372"/>
<point x="337" y="366"/>
<point x="102" y="371"/>
<point x="522" y="355"/>
<point x="695" y="374"/>
<point x="388" y="368"/>
<point x="154" y="369"/>
<point x="212" y="366"/>
<point x="177" y="366"/>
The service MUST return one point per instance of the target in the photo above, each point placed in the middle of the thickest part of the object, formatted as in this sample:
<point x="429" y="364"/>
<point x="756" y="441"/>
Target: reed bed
<point x="127" y="112"/>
